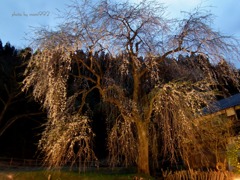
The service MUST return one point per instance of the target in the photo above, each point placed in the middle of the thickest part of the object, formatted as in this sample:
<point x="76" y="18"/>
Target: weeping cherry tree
<point x="125" y="45"/>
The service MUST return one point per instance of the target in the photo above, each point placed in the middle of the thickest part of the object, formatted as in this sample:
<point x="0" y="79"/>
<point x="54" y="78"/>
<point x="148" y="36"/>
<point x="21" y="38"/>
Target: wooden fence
<point x="38" y="163"/>
<point x="199" y="175"/>
<point x="16" y="162"/>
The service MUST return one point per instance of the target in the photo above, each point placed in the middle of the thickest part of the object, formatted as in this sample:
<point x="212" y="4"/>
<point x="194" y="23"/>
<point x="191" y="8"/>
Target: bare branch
<point x="15" y="118"/>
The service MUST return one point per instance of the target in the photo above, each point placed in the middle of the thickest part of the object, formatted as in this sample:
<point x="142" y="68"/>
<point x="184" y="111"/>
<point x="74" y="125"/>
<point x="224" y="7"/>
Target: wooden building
<point x="228" y="108"/>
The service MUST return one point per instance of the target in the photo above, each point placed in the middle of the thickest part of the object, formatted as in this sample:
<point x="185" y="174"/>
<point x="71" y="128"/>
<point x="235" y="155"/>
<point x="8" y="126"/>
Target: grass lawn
<point x="68" y="175"/>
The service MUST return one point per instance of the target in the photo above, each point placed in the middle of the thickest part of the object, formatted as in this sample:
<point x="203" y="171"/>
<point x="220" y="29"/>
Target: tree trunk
<point x="143" y="154"/>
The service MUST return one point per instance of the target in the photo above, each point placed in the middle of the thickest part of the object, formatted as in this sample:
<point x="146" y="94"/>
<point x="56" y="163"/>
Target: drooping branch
<point x="122" y="143"/>
<point x="175" y="107"/>
<point x="68" y="141"/>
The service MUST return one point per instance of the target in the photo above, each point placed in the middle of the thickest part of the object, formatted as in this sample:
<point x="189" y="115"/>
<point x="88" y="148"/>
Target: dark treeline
<point x="20" y="117"/>
<point x="22" y="120"/>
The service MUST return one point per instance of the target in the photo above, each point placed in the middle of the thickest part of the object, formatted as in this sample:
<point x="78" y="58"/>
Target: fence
<point x="199" y="175"/>
<point x="9" y="163"/>
<point x="18" y="163"/>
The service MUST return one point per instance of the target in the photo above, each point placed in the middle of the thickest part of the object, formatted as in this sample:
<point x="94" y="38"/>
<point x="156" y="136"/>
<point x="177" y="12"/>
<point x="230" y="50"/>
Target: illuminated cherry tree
<point x="119" y="50"/>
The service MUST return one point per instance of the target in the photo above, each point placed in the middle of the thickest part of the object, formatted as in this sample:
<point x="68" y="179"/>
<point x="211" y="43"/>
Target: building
<point x="228" y="108"/>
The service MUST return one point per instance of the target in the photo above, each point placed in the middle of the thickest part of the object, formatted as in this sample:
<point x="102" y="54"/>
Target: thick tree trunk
<point x="143" y="154"/>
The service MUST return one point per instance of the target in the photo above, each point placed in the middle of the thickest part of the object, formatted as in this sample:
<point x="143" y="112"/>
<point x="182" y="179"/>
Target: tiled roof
<point x="223" y="104"/>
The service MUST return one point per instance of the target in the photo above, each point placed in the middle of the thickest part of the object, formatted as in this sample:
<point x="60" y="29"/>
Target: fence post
<point x="11" y="162"/>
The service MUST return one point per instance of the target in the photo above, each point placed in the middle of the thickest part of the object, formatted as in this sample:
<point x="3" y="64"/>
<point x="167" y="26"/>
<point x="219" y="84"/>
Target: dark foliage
<point x="20" y="117"/>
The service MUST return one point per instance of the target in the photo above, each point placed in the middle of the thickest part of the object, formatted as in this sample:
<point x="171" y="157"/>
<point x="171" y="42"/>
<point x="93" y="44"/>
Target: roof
<point x="222" y="104"/>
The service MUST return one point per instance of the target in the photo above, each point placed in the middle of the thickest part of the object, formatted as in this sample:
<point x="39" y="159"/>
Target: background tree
<point x="14" y="104"/>
<point x="149" y="113"/>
